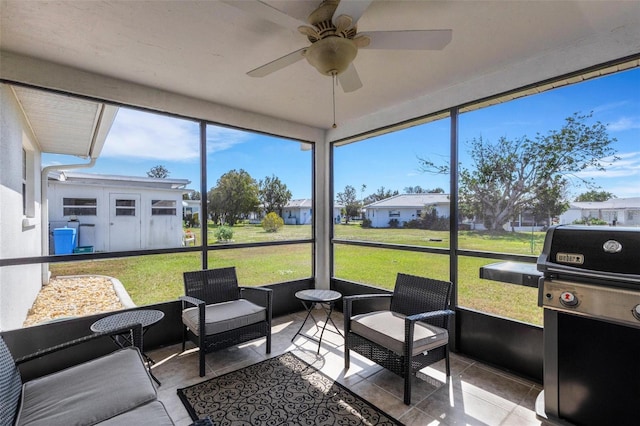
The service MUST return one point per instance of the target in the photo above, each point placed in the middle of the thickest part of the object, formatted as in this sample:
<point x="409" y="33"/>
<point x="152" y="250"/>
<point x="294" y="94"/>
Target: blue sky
<point x="138" y="141"/>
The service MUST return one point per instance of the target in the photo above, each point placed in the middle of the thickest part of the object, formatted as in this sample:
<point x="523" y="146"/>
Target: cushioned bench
<point x="115" y="389"/>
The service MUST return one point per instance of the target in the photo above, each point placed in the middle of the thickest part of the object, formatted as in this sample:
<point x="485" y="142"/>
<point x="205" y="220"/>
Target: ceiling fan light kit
<point x="331" y="55"/>
<point x="334" y="38"/>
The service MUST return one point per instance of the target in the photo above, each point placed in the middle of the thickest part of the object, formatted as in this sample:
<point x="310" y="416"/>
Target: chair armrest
<point x="191" y="300"/>
<point x="428" y="315"/>
<point x="367" y="296"/>
<point x="134" y="329"/>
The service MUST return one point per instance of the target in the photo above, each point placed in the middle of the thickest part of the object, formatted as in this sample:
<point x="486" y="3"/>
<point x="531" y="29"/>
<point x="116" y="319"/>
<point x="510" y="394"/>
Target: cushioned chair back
<point x="10" y="386"/>
<point x="212" y="285"/>
<point x="414" y="295"/>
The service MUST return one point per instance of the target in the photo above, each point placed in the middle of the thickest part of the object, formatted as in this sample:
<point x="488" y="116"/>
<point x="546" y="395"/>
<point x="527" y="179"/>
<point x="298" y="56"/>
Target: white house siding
<point x="298" y="212"/>
<point x="19" y="235"/>
<point x="158" y="231"/>
<point x="405" y="208"/>
<point x="621" y="211"/>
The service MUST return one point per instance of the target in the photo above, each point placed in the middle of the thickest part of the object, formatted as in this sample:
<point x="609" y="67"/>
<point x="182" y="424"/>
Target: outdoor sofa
<point x="114" y="389"/>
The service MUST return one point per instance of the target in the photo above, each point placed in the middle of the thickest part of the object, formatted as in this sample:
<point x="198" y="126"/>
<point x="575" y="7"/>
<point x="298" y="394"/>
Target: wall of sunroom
<point x="19" y="210"/>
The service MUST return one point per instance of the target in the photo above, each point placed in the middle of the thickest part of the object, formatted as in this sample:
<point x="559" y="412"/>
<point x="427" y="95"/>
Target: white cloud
<point x="142" y="135"/>
<point x="624" y="123"/>
<point x="610" y="106"/>
<point x="627" y="166"/>
<point x="222" y="138"/>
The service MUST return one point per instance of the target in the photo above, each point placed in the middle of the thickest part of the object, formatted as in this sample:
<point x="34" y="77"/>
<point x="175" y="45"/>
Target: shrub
<point x="224" y="233"/>
<point x="393" y="223"/>
<point x="366" y="223"/>
<point x="590" y="221"/>
<point x="272" y="222"/>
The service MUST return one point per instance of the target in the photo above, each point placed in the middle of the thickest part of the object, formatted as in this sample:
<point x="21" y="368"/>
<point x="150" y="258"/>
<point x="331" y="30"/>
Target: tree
<point x="158" y="171"/>
<point x="235" y="196"/>
<point x="381" y="194"/>
<point x="513" y="175"/>
<point x="419" y="190"/>
<point x="349" y="199"/>
<point x="594" y="195"/>
<point x="273" y="194"/>
<point x="195" y="195"/>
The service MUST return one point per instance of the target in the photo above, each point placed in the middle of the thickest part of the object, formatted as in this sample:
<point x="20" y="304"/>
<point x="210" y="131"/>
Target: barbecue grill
<point x="590" y="292"/>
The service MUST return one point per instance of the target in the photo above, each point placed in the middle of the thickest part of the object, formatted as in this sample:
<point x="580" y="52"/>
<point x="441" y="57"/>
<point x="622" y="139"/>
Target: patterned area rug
<point x="283" y="390"/>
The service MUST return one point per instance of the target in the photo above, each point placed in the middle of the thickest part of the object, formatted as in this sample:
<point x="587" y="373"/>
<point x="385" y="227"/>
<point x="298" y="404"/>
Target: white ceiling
<point x="203" y="50"/>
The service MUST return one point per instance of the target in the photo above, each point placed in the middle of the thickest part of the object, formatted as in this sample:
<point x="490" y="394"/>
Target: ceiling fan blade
<point x="267" y="12"/>
<point x="409" y="40"/>
<point x="278" y="64"/>
<point x="353" y="8"/>
<point x="349" y="79"/>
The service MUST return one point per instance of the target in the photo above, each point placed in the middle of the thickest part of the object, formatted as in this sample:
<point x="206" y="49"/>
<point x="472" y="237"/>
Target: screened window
<point x="79" y="206"/>
<point x="163" y="208"/>
<point x="125" y="207"/>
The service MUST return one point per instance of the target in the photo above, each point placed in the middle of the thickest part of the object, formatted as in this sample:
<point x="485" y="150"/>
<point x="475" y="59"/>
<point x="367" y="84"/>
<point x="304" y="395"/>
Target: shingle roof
<point x="411" y="200"/>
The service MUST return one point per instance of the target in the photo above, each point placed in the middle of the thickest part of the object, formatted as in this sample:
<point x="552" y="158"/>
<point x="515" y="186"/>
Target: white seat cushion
<point x="386" y="328"/>
<point x="225" y="316"/>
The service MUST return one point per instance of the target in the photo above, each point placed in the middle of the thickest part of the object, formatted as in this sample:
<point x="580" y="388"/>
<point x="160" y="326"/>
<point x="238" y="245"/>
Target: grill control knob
<point x="568" y="299"/>
<point x="636" y="312"/>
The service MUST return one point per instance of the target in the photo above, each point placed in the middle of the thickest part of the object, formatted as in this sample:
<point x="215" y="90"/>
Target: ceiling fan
<point x="335" y="39"/>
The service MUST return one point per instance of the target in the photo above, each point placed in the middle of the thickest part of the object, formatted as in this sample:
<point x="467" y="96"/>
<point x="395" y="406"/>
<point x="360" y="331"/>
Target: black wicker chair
<point x="217" y="313"/>
<point x="415" y="324"/>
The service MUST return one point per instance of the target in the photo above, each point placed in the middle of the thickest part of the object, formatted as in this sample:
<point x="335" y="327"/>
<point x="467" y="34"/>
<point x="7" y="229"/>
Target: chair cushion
<point x="225" y="316"/>
<point x="386" y="328"/>
<point x="87" y="393"/>
<point x="154" y="413"/>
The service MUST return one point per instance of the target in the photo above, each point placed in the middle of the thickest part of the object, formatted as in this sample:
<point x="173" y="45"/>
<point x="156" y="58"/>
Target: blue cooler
<point x="64" y="240"/>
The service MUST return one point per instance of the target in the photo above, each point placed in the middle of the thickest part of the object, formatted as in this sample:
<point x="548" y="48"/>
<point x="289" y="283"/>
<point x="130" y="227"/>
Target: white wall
<point x="19" y="285"/>
<point x="155" y="231"/>
<point x="380" y="216"/>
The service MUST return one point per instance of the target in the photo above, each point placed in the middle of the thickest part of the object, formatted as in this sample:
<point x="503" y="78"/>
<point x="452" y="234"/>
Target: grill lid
<point x="611" y="253"/>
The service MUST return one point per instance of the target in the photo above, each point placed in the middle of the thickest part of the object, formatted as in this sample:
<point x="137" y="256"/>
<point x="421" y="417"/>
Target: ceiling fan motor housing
<point x="331" y="55"/>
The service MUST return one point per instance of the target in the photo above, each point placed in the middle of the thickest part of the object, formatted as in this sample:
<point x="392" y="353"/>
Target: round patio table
<point x="145" y="317"/>
<point x="327" y="300"/>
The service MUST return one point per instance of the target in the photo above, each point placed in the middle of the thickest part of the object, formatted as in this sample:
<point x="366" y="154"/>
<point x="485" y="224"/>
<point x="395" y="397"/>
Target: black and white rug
<point x="283" y="390"/>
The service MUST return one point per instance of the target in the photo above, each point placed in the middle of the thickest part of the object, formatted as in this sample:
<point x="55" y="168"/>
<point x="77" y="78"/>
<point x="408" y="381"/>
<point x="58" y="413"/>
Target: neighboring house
<point x="190" y="208"/>
<point x="298" y="212"/>
<point x="616" y="211"/>
<point x="30" y="126"/>
<point x="404" y="208"/>
<point x="117" y="213"/>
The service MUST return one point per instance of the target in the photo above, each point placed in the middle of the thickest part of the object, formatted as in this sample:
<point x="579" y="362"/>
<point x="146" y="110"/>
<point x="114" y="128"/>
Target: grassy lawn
<point x="155" y="278"/>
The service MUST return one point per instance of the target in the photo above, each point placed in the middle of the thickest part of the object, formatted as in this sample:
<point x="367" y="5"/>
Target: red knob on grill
<point x="568" y="299"/>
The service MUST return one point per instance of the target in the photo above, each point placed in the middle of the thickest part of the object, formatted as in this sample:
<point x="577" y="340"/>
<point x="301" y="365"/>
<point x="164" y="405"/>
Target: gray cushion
<point x="386" y="328"/>
<point x="88" y="393"/>
<point x="225" y="316"/>
<point x="153" y="413"/>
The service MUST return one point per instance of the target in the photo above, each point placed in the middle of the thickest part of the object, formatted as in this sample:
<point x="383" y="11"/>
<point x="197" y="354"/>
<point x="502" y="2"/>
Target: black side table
<point x="309" y="299"/>
<point x="146" y="317"/>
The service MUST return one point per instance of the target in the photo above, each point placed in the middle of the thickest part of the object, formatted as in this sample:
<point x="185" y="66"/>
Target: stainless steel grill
<point x="590" y="292"/>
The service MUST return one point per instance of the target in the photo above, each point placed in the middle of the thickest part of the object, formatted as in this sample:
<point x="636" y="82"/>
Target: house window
<point x="125" y="207"/>
<point x="79" y="206"/>
<point x="163" y="207"/>
<point x="394" y="213"/>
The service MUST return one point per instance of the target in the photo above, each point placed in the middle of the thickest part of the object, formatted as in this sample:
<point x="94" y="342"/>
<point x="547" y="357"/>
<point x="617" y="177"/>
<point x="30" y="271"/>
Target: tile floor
<point x="475" y="395"/>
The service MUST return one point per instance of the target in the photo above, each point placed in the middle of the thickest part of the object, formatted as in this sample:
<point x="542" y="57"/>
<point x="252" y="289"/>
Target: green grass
<point x="155" y="278"/>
